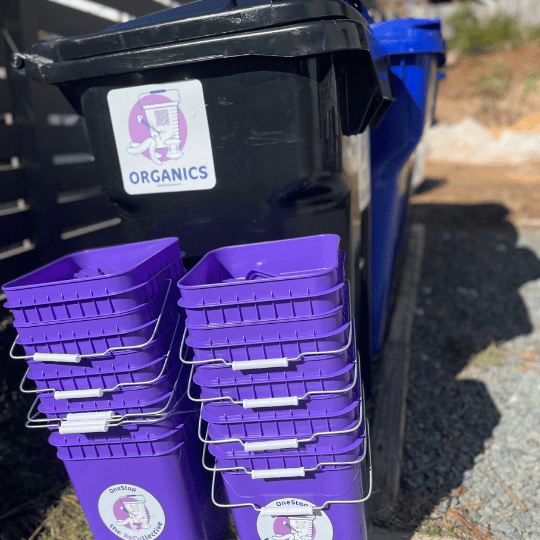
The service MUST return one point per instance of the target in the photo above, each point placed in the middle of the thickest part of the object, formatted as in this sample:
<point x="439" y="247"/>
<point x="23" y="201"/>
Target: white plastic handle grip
<point x="95" y="426"/>
<point x="261" y="446"/>
<point x="278" y="473"/>
<point x="89" y="416"/>
<point x="239" y="365"/>
<point x="57" y="357"/>
<point x="287" y="511"/>
<point x="290" y="401"/>
<point x="78" y="394"/>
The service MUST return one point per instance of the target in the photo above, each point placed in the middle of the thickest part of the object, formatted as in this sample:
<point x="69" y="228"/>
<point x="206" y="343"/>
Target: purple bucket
<point x="214" y="336"/>
<point x="98" y="305"/>
<point x="93" y="273"/>
<point x="101" y="379"/>
<point x="121" y="403"/>
<point x="286" y="348"/>
<point x="168" y="493"/>
<point x="264" y="310"/>
<point x="227" y="421"/>
<point x="81" y="344"/>
<point x="335" y="521"/>
<point x="144" y="390"/>
<point x="258" y="386"/>
<point x="288" y="425"/>
<point x="157" y="427"/>
<point x="264" y="271"/>
<point x="104" y="445"/>
<point x="96" y="326"/>
<point x="212" y="374"/>
<point x="110" y="367"/>
<point x="308" y="457"/>
<point x="340" y="430"/>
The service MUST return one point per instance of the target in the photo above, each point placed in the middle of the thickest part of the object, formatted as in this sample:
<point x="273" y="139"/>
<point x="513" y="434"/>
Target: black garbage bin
<point x="220" y="121"/>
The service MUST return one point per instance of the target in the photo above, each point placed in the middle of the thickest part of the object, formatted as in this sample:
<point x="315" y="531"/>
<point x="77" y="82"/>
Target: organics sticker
<point x="162" y="137"/>
<point x="131" y="512"/>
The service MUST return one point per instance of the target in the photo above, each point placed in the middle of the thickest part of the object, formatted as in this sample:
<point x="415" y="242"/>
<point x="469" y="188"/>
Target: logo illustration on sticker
<point x="131" y="512"/>
<point x="298" y="527"/>
<point x="157" y="126"/>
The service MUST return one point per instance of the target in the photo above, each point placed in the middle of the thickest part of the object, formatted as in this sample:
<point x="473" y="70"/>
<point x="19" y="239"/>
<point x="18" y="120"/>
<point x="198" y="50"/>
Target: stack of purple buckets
<point x="101" y="333"/>
<point x="276" y="371"/>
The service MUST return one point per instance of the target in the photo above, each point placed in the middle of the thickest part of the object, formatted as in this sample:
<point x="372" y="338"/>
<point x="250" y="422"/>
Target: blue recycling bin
<point x="416" y="51"/>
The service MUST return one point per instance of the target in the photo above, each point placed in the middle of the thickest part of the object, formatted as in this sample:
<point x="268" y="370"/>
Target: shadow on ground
<point x="468" y="302"/>
<point x="31" y="475"/>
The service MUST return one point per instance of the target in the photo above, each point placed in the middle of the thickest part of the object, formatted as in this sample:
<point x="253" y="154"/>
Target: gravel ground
<point x="472" y="447"/>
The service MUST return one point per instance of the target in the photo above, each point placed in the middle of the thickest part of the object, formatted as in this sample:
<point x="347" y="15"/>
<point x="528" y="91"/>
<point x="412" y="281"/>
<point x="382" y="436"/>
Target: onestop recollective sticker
<point x="162" y="137"/>
<point x="300" y="527"/>
<point x="131" y="512"/>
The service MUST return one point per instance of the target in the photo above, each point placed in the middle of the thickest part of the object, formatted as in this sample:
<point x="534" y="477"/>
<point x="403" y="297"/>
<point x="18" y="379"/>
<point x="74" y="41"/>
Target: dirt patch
<point x="497" y="89"/>
<point x="451" y="184"/>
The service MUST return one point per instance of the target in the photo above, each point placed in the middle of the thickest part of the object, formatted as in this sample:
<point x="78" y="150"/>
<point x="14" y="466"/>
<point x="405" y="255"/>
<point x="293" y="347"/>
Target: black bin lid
<point x="204" y="18"/>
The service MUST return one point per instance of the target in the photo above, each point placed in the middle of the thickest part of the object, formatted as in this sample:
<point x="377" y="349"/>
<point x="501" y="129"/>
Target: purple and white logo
<point x="157" y="126"/>
<point x="162" y="137"/>
<point x="308" y="526"/>
<point x="294" y="528"/>
<point x="129" y="511"/>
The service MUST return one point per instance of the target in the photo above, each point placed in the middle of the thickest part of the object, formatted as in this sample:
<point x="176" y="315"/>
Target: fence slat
<point x="15" y="228"/>
<point x="13" y="185"/>
<point x="84" y="212"/>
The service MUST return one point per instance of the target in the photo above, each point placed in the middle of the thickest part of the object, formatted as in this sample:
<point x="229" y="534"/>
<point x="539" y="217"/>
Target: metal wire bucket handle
<point x="267" y="363"/>
<point x="98" y="392"/>
<point x="287" y="401"/>
<point x="304" y="510"/>
<point x="283" y="444"/>
<point x="101" y="421"/>
<point x="75" y="358"/>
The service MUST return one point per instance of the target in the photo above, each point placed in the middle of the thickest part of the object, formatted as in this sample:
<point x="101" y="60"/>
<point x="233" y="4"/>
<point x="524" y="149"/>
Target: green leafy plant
<point x="495" y="84"/>
<point x="532" y="84"/>
<point x="472" y="36"/>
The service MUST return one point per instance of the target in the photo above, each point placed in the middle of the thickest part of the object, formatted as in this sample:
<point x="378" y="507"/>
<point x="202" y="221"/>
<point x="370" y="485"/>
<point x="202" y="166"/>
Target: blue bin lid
<point x="411" y="36"/>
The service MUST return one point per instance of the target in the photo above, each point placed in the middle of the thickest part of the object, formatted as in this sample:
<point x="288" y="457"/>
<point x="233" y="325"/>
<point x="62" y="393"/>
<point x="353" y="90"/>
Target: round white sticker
<point x="131" y="512"/>
<point x="298" y="527"/>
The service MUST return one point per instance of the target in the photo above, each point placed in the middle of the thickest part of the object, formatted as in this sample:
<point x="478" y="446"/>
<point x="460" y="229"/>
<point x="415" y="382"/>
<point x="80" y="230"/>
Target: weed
<point x="494" y="85"/>
<point x="430" y="527"/>
<point x="531" y="85"/>
<point x="490" y="357"/>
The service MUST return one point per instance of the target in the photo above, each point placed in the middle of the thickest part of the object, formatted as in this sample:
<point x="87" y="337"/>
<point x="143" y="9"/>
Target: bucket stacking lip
<point x="101" y="379"/>
<point x="96" y="306"/>
<point x="97" y="326"/>
<point x="253" y="426"/>
<point x="306" y="457"/>
<point x="124" y="401"/>
<point x="111" y="363"/>
<point x="289" y="349"/>
<point x="342" y="426"/>
<point x="95" y="272"/>
<point x="154" y="384"/>
<point x="101" y="344"/>
<point x="264" y="310"/>
<point x="291" y="263"/>
<point x="104" y="445"/>
<point x="279" y="387"/>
